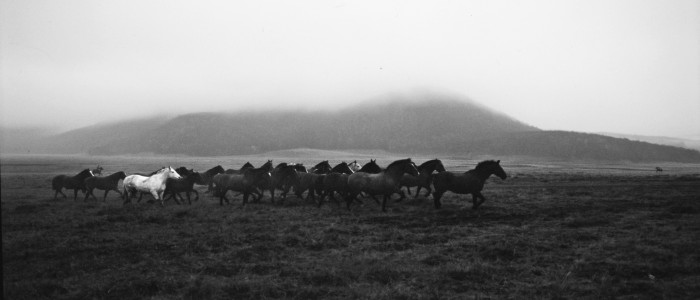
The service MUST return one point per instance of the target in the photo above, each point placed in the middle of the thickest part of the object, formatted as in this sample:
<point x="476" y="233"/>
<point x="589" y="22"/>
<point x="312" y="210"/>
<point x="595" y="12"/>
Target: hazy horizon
<point x="629" y="67"/>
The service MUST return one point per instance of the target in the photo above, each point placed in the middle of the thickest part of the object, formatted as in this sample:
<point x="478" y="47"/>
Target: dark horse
<point x="307" y="180"/>
<point x="107" y="183"/>
<point x="335" y="182"/>
<point x="470" y="182"/>
<point x="383" y="183"/>
<point x="208" y="175"/>
<point x="74" y="183"/>
<point x="424" y="178"/>
<point x="283" y="177"/>
<point x="246" y="183"/>
<point x="371" y="167"/>
<point x="245" y="166"/>
<point x="173" y="187"/>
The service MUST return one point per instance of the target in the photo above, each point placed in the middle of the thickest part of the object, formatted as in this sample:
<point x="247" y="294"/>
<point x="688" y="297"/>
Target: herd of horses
<point x="346" y="180"/>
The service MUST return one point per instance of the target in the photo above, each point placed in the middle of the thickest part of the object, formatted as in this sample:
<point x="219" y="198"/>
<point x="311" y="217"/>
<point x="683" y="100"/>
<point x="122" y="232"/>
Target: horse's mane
<point x="484" y="164"/>
<point x="427" y="163"/>
<point x="343" y="166"/>
<point x="117" y="174"/>
<point x="398" y="162"/>
<point x="85" y="172"/>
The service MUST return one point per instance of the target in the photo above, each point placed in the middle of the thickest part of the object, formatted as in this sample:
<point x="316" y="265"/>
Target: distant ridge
<point x="440" y="125"/>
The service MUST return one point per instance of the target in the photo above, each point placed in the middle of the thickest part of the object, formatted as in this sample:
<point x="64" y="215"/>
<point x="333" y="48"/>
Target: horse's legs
<point x="386" y="197"/>
<point x="105" y="197"/>
<point x="127" y="196"/>
<point x="75" y="194"/>
<point x="436" y="198"/>
<point x="87" y="194"/>
<point x="402" y="195"/>
<point x="159" y="196"/>
<point x="428" y="190"/>
<point x="196" y="195"/>
<point x="475" y="199"/>
<point x="417" y="191"/>
<point x="408" y="188"/>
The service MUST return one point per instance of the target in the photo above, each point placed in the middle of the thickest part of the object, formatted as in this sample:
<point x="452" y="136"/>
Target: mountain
<point x="690" y="143"/>
<point x="439" y="126"/>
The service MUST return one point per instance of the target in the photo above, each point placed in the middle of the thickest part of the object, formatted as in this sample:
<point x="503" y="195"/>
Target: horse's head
<point x="321" y="168"/>
<point x="300" y="168"/>
<point x="489" y="167"/>
<point x="343" y="168"/>
<point x="371" y="167"/>
<point x="120" y="175"/>
<point x="171" y="173"/>
<point x="354" y="166"/>
<point x="267" y="166"/>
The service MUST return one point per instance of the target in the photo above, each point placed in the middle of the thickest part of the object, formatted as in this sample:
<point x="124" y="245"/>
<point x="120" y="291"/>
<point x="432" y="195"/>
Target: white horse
<point x="154" y="184"/>
<point x="354" y="166"/>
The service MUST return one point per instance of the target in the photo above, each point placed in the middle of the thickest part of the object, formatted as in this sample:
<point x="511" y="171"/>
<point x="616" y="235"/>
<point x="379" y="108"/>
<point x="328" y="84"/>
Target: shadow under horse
<point x="469" y="182"/>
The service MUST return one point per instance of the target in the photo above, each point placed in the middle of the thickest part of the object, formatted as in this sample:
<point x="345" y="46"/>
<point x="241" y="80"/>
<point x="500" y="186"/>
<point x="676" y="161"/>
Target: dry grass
<point x="553" y="234"/>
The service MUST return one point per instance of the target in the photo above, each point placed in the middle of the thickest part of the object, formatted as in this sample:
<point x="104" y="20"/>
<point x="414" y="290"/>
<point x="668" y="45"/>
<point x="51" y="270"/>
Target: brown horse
<point x="470" y="182"/>
<point x="335" y="182"/>
<point x="386" y="182"/>
<point x="74" y="183"/>
<point x="424" y="178"/>
<point x="107" y="183"/>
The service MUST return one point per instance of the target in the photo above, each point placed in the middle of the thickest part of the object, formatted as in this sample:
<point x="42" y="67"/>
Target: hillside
<point x="437" y="127"/>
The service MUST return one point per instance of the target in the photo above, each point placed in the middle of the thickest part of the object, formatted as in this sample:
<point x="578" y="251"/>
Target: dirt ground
<point x="551" y="230"/>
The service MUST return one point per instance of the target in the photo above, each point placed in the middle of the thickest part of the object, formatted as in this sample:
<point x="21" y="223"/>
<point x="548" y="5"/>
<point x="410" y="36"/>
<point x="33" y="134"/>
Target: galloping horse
<point x="283" y="177"/>
<point x="246" y="183"/>
<point x="107" y="183"/>
<point x="307" y="180"/>
<point x="245" y="166"/>
<point x="208" y="175"/>
<point x="154" y="184"/>
<point x="470" y="182"/>
<point x="173" y="187"/>
<point x="371" y="167"/>
<point x="424" y="178"/>
<point x="335" y="182"/>
<point x="74" y="183"/>
<point x="384" y="183"/>
<point x="321" y="168"/>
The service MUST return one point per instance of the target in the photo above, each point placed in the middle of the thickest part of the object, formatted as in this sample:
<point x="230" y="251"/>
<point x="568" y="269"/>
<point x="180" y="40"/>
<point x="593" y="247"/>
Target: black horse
<point x="335" y="182"/>
<point x="173" y="187"/>
<point x="470" y="182"/>
<point x="107" y="183"/>
<point x="208" y="175"/>
<point x="75" y="183"/>
<point x="371" y="167"/>
<point x="424" y="178"/>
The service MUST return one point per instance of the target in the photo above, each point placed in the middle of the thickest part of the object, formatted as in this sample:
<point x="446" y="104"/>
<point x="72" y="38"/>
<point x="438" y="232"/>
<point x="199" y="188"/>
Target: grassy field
<point x="551" y="230"/>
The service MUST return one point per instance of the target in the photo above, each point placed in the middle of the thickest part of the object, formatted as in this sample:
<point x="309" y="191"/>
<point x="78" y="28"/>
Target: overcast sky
<point x="592" y="66"/>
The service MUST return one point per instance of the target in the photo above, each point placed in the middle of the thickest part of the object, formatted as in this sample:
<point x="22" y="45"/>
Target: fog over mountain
<point x="431" y="125"/>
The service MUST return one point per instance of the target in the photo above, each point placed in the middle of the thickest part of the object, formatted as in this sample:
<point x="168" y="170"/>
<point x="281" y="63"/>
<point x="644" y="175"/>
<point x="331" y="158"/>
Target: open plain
<point x="551" y="230"/>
